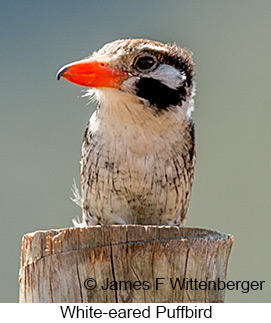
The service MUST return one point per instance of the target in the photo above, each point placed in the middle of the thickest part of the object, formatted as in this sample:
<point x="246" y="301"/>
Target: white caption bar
<point x="133" y="312"/>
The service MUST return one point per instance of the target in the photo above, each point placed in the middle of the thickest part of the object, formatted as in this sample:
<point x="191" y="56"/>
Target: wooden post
<point x="140" y="264"/>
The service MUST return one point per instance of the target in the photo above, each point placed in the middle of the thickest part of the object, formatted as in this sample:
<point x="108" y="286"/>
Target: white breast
<point x="134" y="161"/>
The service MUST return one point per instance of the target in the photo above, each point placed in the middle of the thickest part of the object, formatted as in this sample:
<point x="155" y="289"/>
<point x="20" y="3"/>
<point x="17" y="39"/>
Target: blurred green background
<point x="42" y="121"/>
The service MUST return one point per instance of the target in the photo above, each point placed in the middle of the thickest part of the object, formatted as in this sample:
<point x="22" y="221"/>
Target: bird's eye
<point x="144" y="63"/>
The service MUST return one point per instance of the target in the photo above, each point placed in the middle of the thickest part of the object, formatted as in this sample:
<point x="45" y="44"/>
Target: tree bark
<point x="140" y="264"/>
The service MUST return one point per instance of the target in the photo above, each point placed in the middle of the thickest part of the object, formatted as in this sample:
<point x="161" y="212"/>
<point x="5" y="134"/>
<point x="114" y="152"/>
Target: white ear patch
<point x="168" y="75"/>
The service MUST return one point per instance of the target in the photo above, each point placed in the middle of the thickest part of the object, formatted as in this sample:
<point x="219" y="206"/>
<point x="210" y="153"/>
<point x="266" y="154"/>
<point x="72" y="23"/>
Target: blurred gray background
<point x="42" y="121"/>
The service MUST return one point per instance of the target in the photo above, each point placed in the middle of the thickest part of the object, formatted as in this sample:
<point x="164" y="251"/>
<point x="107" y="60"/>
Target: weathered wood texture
<point x="55" y="264"/>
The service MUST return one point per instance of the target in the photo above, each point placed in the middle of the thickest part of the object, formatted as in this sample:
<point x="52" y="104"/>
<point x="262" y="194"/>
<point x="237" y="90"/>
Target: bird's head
<point x="159" y="75"/>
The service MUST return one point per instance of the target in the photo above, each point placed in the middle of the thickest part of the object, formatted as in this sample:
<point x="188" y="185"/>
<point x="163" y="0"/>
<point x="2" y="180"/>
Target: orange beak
<point x="91" y="73"/>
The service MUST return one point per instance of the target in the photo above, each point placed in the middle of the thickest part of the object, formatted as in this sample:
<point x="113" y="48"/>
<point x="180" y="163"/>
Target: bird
<point x="138" y="154"/>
